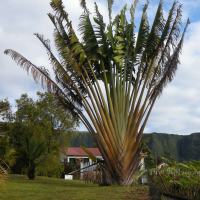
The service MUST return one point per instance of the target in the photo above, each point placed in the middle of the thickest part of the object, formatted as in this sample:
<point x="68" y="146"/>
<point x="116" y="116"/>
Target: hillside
<point x="83" y="138"/>
<point x="181" y="147"/>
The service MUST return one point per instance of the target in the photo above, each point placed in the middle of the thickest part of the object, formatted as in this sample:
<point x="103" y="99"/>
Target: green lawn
<point x="19" y="187"/>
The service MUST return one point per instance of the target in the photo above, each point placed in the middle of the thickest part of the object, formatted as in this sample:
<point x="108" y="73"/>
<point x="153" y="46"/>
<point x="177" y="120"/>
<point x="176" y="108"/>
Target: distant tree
<point x="82" y="139"/>
<point x="94" y="145"/>
<point x="149" y="160"/>
<point x="167" y="155"/>
<point x="42" y="118"/>
<point x="6" y="152"/>
<point x="4" y="106"/>
<point x="58" y="126"/>
<point x="110" y="79"/>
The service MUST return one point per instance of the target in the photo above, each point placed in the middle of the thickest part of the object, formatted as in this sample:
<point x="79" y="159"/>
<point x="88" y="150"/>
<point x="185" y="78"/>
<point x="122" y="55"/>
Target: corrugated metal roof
<point x="79" y="151"/>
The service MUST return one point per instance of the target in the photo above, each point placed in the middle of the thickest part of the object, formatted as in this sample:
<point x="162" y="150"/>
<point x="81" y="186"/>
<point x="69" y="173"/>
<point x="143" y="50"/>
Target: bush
<point x="70" y="167"/>
<point x="178" y="179"/>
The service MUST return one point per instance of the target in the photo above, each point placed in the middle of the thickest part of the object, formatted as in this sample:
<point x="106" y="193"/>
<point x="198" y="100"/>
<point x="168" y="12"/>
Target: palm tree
<point x="31" y="154"/>
<point x="112" y="76"/>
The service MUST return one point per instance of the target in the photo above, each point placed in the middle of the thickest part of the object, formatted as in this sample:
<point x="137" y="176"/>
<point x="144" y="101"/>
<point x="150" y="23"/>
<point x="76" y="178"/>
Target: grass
<point x="20" y="187"/>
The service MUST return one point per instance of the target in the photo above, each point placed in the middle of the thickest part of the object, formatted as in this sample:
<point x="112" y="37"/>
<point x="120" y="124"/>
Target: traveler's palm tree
<point x="112" y="76"/>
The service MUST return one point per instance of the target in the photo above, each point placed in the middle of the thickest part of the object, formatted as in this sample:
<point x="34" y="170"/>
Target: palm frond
<point x="154" y="35"/>
<point x="100" y="32"/>
<point x="174" y="33"/>
<point x="39" y="73"/>
<point x="110" y="3"/>
<point x="143" y="32"/>
<point x="59" y="70"/>
<point x="168" y="25"/>
<point x="59" y="9"/>
<point x="83" y="5"/>
<point x="3" y="177"/>
<point x="90" y="44"/>
<point x="132" y="11"/>
<point x="170" y="67"/>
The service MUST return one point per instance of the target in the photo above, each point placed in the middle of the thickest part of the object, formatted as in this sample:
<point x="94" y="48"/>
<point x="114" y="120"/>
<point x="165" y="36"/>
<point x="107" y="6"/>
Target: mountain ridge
<point x="181" y="147"/>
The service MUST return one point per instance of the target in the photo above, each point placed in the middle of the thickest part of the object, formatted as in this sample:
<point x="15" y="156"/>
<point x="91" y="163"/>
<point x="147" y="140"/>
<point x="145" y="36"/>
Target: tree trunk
<point x="123" y="177"/>
<point x="31" y="172"/>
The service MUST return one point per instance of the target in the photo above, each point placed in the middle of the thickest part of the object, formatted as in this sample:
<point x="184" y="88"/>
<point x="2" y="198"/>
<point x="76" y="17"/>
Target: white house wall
<point x="64" y="157"/>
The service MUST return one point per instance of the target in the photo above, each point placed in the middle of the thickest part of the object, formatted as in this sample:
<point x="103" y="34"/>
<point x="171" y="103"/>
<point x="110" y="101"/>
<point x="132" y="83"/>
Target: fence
<point x="87" y="168"/>
<point x="144" y="178"/>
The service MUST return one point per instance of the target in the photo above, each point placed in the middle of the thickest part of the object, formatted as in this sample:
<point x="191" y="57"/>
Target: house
<point x="162" y="164"/>
<point x="142" y="167"/>
<point x="76" y="154"/>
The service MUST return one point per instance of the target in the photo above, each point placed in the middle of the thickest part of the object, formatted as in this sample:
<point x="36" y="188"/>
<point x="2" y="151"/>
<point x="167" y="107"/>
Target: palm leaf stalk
<point x="111" y="76"/>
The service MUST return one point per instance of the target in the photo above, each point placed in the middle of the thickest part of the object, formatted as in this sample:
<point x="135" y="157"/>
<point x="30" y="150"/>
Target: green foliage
<point x="44" y="118"/>
<point x="181" y="147"/>
<point x="83" y="138"/>
<point x="51" y="167"/>
<point x="4" y="107"/>
<point x="196" y="164"/>
<point x="94" y="145"/>
<point x="149" y="161"/>
<point x="167" y="155"/>
<point x="31" y="154"/>
<point x="70" y="167"/>
<point x="53" y="188"/>
<point x="179" y="179"/>
<point x="5" y="152"/>
<point x="44" y="124"/>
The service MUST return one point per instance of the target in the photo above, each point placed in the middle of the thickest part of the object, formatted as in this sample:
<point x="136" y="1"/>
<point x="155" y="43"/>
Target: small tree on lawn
<point x="31" y="154"/>
<point x="132" y="72"/>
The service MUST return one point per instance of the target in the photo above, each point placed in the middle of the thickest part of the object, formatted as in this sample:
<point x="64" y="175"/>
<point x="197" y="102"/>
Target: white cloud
<point x="176" y="112"/>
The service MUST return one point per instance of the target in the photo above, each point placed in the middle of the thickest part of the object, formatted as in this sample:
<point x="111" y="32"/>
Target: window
<point x="85" y="160"/>
<point x="72" y="160"/>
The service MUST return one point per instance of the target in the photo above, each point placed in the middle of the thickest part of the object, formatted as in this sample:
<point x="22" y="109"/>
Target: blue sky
<point x="177" y="111"/>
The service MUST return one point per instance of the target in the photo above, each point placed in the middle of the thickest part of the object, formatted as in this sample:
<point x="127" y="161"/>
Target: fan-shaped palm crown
<point x="111" y="75"/>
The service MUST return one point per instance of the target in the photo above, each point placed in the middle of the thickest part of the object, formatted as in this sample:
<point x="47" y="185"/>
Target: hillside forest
<point x="181" y="147"/>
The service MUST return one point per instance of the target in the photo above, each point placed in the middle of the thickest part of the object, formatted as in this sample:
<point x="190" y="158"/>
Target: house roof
<point x="161" y="164"/>
<point x="78" y="151"/>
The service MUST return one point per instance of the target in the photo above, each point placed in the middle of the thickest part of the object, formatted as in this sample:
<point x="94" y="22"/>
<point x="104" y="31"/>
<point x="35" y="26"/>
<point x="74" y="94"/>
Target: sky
<point x="177" y="111"/>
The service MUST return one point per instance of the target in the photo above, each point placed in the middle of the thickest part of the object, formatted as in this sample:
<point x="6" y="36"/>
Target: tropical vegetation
<point x="34" y="136"/>
<point x="4" y="106"/>
<point x="33" y="154"/>
<point x="44" y="118"/>
<point x="181" y="179"/>
<point x="110" y="79"/>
